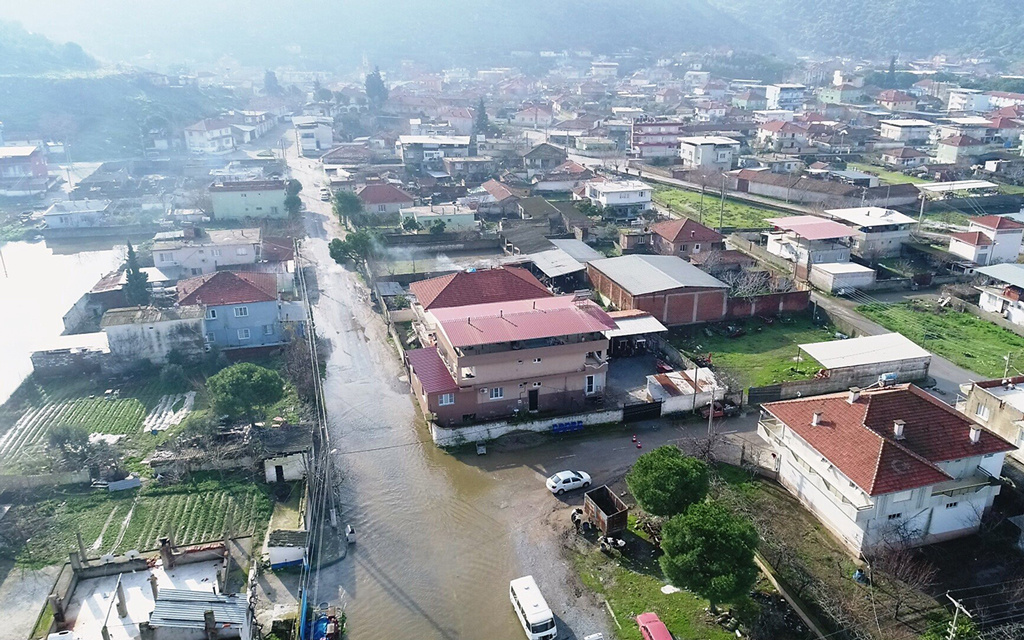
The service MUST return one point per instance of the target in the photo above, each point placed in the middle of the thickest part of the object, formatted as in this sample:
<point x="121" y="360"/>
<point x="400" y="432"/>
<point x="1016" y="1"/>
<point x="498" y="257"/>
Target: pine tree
<point x="482" y="124"/>
<point x="376" y="90"/>
<point x="136" y="288"/>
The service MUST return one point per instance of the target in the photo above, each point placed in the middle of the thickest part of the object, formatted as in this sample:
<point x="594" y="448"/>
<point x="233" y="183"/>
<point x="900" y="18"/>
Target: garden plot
<point x="171" y="410"/>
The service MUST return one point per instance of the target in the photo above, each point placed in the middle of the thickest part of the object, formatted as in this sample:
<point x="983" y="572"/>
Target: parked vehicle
<point x="605" y="510"/>
<point x="652" y="628"/>
<point x="531" y="609"/>
<point x="567" y="481"/>
<point x="325" y="194"/>
<point x="723" y="408"/>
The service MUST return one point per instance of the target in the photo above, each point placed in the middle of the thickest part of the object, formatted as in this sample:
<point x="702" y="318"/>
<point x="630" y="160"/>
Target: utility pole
<point x="1006" y="368"/>
<point x="721" y="209"/>
<point x="920" y="216"/>
<point x="956" y="614"/>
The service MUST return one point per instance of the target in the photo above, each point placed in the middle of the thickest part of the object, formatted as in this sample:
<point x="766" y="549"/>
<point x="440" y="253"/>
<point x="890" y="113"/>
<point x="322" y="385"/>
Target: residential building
<point x="968" y="101"/>
<point x="482" y="286"/>
<point x="684" y="237"/>
<point x="779" y="135"/>
<point x="788" y="97"/>
<point x="905" y="158"/>
<point x="23" y="171"/>
<point x="418" y="151"/>
<point x="153" y="334"/>
<point x="498" y="360"/>
<point x="475" y="169"/>
<point x="1004" y="293"/>
<point x="889" y="465"/>
<point x="78" y="214"/>
<point x="604" y="70"/>
<point x="909" y="131"/>
<point x="708" y="152"/>
<point x="542" y="158"/>
<point x="877" y="232"/>
<point x="383" y="198"/>
<point x="533" y="117"/>
<point x="566" y="177"/>
<point x="988" y="240"/>
<point x="1002" y="99"/>
<point x="454" y="217"/>
<point x="314" y="135"/>
<point x="620" y="199"/>
<point x="959" y="150"/>
<point x="494" y="198"/>
<point x="840" y="94"/>
<point x="896" y="100"/>
<point x="248" y="199"/>
<point x="997" y="405"/>
<point x="652" y="137"/>
<point x="242" y="308"/>
<point x="196" y="251"/>
<point x="668" y="287"/>
<point x="210" y="136"/>
<point x="808" y="240"/>
<point x="750" y="100"/>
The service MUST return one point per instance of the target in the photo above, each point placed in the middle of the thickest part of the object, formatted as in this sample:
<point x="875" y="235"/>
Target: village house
<point x="750" y="100"/>
<point x="455" y="217"/>
<point x="779" y="135"/>
<point x="542" y="158"/>
<point x="888" y="465"/>
<point x="988" y="240"/>
<point x="620" y="199"/>
<point x="79" y="214"/>
<point x="684" y="237"/>
<point x="997" y="405"/>
<point x="877" y="232"/>
<point x="959" y="150"/>
<point x="210" y="136"/>
<point x="840" y="94"/>
<point x="1004" y="293"/>
<point x="195" y="251"/>
<point x="314" y="135"/>
<point x="896" y="100"/>
<point x="481" y="286"/>
<point x="418" y="151"/>
<point x="497" y="360"/>
<point x="242" y="308"/>
<point x="908" y="131"/>
<point x="672" y="290"/>
<point x="153" y="334"/>
<point x="904" y="158"/>
<point x="248" y="199"/>
<point x="533" y="117"/>
<point x="23" y="171"/>
<point x="789" y="97"/>
<point x="565" y="177"/>
<point x="808" y="240"/>
<point x="381" y="198"/>
<point x="475" y="169"/>
<point x="708" y="152"/>
<point x="656" y="137"/>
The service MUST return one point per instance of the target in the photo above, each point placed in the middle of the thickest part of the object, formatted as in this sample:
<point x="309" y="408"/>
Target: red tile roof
<point x="960" y="141"/>
<point x="894" y="95"/>
<point x="996" y="222"/>
<point x="429" y="368"/>
<point x="685" y="229"/>
<point x="521" y="320"/>
<point x="905" y="152"/>
<point x="477" y="287"/>
<point x="382" y="193"/>
<point x="858" y="438"/>
<point x="973" y="238"/>
<point x="228" y="287"/>
<point x="497" y="190"/>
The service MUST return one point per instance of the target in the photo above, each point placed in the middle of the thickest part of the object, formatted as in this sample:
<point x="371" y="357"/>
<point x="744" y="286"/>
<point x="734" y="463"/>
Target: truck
<point x="605" y="510"/>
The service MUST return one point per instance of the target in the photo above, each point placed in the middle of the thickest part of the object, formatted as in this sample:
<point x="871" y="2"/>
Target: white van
<point x="532" y="610"/>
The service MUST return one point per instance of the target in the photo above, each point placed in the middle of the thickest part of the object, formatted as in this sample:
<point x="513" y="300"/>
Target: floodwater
<point x="40" y="285"/>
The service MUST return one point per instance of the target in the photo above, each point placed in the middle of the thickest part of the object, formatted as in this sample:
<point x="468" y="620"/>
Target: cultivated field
<point x="737" y="214"/>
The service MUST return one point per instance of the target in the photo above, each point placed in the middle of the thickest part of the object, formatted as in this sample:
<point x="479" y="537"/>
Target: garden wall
<point x="772" y="304"/>
<point x="18" y="483"/>
<point x="841" y="379"/>
<point x="454" y="436"/>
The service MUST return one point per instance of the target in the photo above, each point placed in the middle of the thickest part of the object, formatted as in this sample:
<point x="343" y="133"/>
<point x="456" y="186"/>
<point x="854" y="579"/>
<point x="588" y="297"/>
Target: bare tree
<point x="906" y="572"/>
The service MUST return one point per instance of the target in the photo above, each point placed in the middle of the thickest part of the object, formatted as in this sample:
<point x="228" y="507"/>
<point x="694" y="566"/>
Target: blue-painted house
<point x="243" y="309"/>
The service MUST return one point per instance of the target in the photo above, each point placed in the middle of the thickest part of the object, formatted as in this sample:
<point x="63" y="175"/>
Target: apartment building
<point x="708" y="152"/>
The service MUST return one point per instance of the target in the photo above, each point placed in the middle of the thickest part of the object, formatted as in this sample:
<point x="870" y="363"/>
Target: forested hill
<point x="22" y="52"/>
<point x="880" y="28"/>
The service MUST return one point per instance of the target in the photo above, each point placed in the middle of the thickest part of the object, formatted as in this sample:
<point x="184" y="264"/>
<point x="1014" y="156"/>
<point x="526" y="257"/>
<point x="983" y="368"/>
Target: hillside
<point x="879" y="28"/>
<point x="101" y="117"/>
<point x="24" y="52"/>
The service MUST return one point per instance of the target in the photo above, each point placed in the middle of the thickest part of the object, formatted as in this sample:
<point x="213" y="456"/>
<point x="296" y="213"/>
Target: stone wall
<point x="455" y="436"/>
<point x="19" y="483"/>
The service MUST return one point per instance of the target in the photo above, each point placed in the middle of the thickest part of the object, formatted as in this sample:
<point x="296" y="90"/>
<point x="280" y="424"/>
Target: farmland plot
<point x="171" y="410"/>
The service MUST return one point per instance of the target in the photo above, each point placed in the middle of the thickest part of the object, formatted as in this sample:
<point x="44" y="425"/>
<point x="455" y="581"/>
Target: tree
<point x="665" y="482"/>
<point x="438" y="227"/>
<point x="410" y="224"/>
<point x="71" y="443"/>
<point x="710" y="551"/>
<point x="244" y="390"/>
<point x="347" y="205"/>
<point x="293" y="187"/>
<point x="321" y="93"/>
<point x="482" y="124"/>
<point x="890" y="78"/>
<point x="136" y="288"/>
<point x="292" y="204"/>
<point x="270" y="85"/>
<point x="359" y="245"/>
<point x="376" y="90"/>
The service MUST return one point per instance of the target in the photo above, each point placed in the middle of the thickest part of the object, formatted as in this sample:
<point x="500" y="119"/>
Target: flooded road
<point x="40" y="286"/>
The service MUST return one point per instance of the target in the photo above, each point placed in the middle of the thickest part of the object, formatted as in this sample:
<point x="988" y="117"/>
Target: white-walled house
<point x="621" y="198"/>
<point x="885" y="465"/>
<point x="877" y="232"/>
<point x="712" y="152"/>
<point x="455" y="217"/>
<point x="988" y="240"/>
<point x="197" y="251"/>
<point x="151" y="333"/>
<point x="1005" y="295"/>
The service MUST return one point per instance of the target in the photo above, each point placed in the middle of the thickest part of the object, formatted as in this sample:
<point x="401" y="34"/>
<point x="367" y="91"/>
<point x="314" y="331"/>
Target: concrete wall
<point x="293" y="466"/>
<point x="284" y="556"/>
<point x="153" y="341"/>
<point x="455" y="436"/>
<point x="15" y="483"/>
<point x="772" y="304"/>
<point x="841" y="379"/>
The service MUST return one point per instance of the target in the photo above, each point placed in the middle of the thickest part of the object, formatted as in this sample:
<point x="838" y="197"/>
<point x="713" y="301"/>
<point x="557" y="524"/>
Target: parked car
<point x="325" y="194"/>
<point x="652" y="628"/>
<point x="567" y="481"/>
<point x="726" y="409"/>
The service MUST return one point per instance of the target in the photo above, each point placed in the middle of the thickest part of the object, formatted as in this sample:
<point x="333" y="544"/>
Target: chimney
<point x="975" y="435"/>
<point x="897" y="428"/>
<point x="816" y="419"/>
<point x="209" y="624"/>
<point x="152" y="585"/>
<point x="854" y="395"/>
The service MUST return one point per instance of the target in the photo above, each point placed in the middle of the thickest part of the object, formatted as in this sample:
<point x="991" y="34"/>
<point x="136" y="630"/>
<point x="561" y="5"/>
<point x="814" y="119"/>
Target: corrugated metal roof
<point x="639" y="274"/>
<point x="811" y="227"/>
<point x="521" y="320"/>
<point x="1008" y="272"/>
<point x="635" y="326"/>
<point x="431" y="371"/>
<point x="555" y="262"/>
<point x="578" y="249"/>
<point x="887" y="347"/>
<point x="184" y="609"/>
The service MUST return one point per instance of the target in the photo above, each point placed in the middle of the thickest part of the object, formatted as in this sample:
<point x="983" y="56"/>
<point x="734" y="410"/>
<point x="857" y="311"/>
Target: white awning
<point x="634" y="326"/>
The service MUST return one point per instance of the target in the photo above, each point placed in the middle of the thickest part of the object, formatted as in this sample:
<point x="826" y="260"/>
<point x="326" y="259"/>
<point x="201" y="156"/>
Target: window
<point x="590" y="385"/>
<point x="895" y="516"/>
<point x="497" y="393"/>
<point x="981" y="411"/>
<point x="165" y="257"/>
<point x="536" y="384"/>
<point x="243" y="334"/>
<point x="215" y="253"/>
<point x="446" y="399"/>
<point x="696" y="247"/>
<point x="208" y="338"/>
<point x="902" y="496"/>
<point x="241" y="312"/>
<point x="211" y="314"/>
<point x="382" y="208"/>
<point x="268" y="329"/>
<point x="536" y="361"/>
<point x="951" y="505"/>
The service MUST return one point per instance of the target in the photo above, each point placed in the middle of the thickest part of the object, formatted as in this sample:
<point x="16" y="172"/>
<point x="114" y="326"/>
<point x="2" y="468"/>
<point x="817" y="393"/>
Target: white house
<point x="969" y="100"/>
<point x="455" y="217"/>
<point x="1005" y="294"/>
<point x="211" y="136"/>
<point x="892" y="464"/>
<point x="905" y="158"/>
<point x="151" y="333"/>
<point x="906" y="130"/>
<point x="789" y="97"/>
<point x="621" y="198"/>
<point x="313" y="134"/>
<point x="196" y="251"/>
<point x="286" y="547"/>
<point x="711" y="152"/>
<point x="988" y="240"/>
<point x="877" y="232"/>
<point x="808" y="240"/>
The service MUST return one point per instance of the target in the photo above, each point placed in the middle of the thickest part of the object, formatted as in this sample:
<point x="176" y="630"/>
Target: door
<point x="534" y="399"/>
<point x="279" y="472"/>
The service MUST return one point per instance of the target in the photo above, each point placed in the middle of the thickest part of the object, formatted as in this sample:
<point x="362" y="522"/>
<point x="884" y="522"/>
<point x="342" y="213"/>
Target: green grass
<point x="964" y="339"/>
<point x="737" y="214"/>
<point x="1014" y="189"/>
<point x="763" y="356"/>
<point x="193" y="511"/>
<point x="884" y="175"/>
